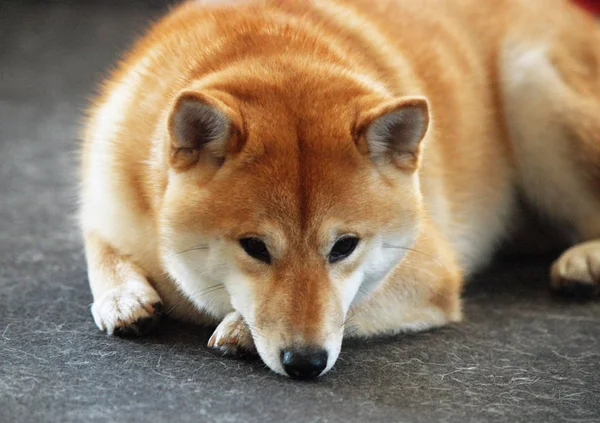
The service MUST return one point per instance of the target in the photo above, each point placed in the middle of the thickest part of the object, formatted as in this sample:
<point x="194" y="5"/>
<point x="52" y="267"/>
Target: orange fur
<point x="297" y="86"/>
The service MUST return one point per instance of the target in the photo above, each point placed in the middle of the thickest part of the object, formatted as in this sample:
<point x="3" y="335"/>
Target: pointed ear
<point x="202" y="126"/>
<point x="392" y="132"/>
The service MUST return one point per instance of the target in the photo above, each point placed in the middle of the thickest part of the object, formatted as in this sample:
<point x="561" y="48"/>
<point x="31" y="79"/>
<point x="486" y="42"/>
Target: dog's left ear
<point x="392" y="132"/>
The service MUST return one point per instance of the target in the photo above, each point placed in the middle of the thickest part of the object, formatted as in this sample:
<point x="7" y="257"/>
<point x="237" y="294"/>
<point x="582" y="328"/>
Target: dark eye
<point x="256" y="248"/>
<point x="343" y="248"/>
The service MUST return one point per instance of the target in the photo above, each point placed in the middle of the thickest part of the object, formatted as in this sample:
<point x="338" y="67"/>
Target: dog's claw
<point x="232" y="337"/>
<point x="576" y="273"/>
<point x="128" y="310"/>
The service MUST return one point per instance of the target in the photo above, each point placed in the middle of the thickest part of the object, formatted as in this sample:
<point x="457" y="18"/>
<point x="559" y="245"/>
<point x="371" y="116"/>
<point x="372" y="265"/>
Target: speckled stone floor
<point x="519" y="356"/>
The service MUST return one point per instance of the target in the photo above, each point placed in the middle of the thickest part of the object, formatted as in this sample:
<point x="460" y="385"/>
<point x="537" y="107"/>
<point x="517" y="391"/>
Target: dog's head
<point x="288" y="192"/>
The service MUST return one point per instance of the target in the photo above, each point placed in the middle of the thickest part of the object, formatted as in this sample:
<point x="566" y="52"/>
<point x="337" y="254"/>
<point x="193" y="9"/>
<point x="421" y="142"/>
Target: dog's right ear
<point x="203" y="126"/>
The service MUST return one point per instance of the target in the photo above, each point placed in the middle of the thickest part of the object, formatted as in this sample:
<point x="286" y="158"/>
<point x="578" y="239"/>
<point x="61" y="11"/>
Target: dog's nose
<point x="303" y="363"/>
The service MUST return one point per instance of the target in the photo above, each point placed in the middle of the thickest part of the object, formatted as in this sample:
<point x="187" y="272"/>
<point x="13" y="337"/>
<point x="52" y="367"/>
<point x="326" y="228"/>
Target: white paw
<point x="232" y="336"/>
<point x="576" y="273"/>
<point x="132" y="308"/>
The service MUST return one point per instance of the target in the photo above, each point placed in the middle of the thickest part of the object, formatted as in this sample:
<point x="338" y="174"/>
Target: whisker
<point x="210" y="288"/>
<point x="356" y="310"/>
<point x="362" y="291"/>
<point x="255" y="332"/>
<point x="415" y="251"/>
<point x="420" y="269"/>
<point x="352" y="332"/>
<point x="199" y="292"/>
<point x="194" y="248"/>
<point x="349" y="318"/>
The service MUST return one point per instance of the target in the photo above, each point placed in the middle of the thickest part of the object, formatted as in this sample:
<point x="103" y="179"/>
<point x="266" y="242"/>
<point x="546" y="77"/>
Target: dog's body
<point x="275" y="148"/>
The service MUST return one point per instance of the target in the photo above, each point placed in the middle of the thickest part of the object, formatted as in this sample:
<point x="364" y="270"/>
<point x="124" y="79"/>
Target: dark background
<point x="519" y="356"/>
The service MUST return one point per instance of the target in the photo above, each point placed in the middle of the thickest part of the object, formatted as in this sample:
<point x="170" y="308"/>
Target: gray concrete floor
<point x="519" y="356"/>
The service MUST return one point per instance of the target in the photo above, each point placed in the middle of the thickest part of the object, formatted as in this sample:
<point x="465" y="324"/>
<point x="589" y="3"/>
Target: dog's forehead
<point x="303" y="185"/>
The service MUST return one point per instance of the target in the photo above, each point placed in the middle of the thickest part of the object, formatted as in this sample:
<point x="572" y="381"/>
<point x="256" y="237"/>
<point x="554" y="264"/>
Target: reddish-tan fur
<point x="301" y="83"/>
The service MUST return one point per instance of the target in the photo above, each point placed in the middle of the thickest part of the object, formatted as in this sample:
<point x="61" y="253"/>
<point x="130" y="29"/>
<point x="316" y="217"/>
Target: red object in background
<point x="592" y="6"/>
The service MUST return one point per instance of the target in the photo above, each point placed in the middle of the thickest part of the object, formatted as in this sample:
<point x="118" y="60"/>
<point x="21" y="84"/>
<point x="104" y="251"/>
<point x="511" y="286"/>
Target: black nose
<point x="303" y="363"/>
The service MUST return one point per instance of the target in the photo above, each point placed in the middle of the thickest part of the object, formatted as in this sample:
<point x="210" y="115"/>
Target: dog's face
<point x="297" y="207"/>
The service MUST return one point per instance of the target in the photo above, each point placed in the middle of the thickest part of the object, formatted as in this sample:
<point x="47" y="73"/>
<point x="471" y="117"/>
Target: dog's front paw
<point x="130" y="309"/>
<point x="232" y="337"/>
<point x="576" y="273"/>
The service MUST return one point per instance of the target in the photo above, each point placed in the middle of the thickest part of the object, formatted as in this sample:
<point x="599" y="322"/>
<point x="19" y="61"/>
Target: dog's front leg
<point x="422" y="292"/>
<point x="124" y="301"/>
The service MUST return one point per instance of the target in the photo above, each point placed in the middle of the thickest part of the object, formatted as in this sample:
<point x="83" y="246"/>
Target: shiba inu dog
<point x="297" y="171"/>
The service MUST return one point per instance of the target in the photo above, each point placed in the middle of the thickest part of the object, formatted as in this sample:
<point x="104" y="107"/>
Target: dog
<point x="299" y="171"/>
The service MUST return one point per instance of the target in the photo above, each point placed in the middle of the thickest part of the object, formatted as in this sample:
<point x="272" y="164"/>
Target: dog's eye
<point x="343" y="248"/>
<point x="256" y="249"/>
